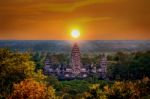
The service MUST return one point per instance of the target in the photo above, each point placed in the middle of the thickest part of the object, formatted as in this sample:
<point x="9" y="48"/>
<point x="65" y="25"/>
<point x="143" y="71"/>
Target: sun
<point x="75" y="33"/>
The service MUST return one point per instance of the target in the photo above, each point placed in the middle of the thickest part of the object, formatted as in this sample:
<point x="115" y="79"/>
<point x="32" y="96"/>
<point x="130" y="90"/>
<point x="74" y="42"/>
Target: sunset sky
<point x="54" y="19"/>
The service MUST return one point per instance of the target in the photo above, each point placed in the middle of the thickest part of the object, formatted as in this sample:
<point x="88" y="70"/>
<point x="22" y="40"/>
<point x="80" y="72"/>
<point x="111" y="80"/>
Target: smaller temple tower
<point x="51" y="65"/>
<point x="48" y="64"/>
<point x="103" y="65"/>
<point x="76" y="60"/>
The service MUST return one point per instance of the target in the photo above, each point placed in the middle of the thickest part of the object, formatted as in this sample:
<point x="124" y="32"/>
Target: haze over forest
<point x="85" y="46"/>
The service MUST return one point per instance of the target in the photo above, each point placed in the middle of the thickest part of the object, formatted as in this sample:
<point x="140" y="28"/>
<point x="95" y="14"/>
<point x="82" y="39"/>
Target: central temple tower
<point x="76" y="59"/>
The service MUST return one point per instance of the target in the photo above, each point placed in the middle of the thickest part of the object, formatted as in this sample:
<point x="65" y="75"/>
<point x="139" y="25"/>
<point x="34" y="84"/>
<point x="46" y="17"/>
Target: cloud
<point x="91" y="19"/>
<point x="75" y="5"/>
<point x="49" y="5"/>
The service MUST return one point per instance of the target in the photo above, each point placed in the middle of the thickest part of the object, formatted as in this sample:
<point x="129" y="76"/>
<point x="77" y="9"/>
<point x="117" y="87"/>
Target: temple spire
<point x="76" y="59"/>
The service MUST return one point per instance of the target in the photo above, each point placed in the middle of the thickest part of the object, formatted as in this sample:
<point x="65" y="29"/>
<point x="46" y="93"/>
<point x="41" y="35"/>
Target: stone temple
<point x="75" y="70"/>
<point x="76" y="60"/>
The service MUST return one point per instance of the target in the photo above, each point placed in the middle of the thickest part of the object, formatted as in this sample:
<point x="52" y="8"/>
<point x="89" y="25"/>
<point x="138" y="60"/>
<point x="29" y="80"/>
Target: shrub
<point x="31" y="89"/>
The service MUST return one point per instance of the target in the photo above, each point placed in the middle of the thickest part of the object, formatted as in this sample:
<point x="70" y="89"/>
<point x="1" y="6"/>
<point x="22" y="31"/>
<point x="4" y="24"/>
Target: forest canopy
<point x="21" y="76"/>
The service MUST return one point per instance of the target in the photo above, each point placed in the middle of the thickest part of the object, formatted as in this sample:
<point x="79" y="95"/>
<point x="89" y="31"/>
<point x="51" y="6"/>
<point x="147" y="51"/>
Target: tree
<point x="14" y="67"/>
<point x="74" y="87"/>
<point x="130" y="66"/>
<point x="53" y="81"/>
<point x="31" y="89"/>
<point x="38" y="59"/>
<point x="139" y="89"/>
<point x="92" y="78"/>
<point x="95" y="93"/>
<point x="140" y="65"/>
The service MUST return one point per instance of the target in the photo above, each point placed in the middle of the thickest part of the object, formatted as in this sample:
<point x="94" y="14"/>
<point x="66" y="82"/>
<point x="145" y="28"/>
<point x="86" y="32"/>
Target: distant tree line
<point x="129" y="66"/>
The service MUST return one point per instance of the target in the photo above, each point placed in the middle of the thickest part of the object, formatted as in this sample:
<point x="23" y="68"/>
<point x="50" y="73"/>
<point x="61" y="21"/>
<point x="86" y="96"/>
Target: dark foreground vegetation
<point x="21" y="77"/>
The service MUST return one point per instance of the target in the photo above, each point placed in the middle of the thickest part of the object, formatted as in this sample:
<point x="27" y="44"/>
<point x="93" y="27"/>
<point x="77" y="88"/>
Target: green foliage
<point x="14" y="67"/>
<point x="92" y="78"/>
<point x="90" y="59"/>
<point x="38" y="58"/>
<point x="140" y="65"/>
<point x="53" y="81"/>
<point x="62" y="58"/>
<point x="74" y="88"/>
<point x="129" y="66"/>
<point x="103" y="83"/>
<point x="94" y="92"/>
<point x="86" y="60"/>
<point x="39" y="76"/>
